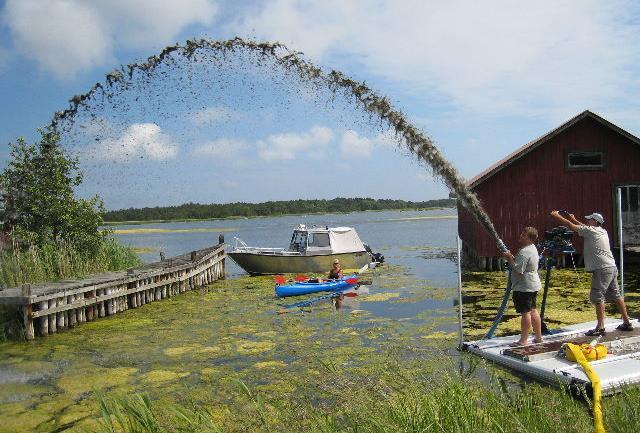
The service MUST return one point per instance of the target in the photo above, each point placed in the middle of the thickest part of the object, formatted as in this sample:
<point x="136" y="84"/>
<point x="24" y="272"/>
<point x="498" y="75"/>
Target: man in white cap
<point x="598" y="260"/>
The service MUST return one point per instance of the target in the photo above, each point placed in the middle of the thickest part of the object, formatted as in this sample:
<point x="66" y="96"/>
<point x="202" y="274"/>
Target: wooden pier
<point x="51" y="307"/>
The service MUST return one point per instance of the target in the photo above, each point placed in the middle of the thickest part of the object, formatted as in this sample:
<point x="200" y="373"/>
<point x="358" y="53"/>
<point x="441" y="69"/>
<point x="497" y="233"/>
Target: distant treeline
<point x="269" y="208"/>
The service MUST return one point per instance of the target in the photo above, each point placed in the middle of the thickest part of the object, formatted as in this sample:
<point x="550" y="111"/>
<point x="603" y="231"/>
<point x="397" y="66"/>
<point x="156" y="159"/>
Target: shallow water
<point x="196" y="346"/>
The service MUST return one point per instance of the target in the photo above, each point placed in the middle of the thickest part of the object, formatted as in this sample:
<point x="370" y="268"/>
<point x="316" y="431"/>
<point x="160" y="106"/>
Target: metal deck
<point x="544" y="362"/>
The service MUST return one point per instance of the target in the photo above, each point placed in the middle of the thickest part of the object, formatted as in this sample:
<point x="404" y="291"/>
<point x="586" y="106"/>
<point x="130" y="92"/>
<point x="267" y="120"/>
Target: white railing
<point x="242" y="247"/>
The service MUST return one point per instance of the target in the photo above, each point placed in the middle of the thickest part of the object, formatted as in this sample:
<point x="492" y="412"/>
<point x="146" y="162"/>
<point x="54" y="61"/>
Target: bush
<point x="39" y="206"/>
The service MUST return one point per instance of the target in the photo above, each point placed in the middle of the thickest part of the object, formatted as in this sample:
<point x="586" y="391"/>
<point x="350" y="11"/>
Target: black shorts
<point x="524" y="301"/>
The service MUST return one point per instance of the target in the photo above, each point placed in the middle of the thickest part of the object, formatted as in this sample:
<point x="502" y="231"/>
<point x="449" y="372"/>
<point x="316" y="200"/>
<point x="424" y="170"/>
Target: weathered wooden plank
<point x="111" y="283"/>
<point x="52" y="290"/>
<point x="110" y="295"/>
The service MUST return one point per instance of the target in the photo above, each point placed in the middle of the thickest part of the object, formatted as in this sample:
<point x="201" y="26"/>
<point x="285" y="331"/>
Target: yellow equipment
<point x="590" y="352"/>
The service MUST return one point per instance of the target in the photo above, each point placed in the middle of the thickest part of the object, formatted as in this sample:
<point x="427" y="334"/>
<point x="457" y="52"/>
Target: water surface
<point x="195" y="347"/>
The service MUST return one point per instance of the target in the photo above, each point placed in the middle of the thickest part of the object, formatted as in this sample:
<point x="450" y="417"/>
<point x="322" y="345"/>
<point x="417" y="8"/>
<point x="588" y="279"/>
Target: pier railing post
<point x="27" y="311"/>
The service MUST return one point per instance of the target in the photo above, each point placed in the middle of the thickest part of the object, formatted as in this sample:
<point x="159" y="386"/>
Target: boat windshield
<point x="298" y="241"/>
<point x="319" y="240"/>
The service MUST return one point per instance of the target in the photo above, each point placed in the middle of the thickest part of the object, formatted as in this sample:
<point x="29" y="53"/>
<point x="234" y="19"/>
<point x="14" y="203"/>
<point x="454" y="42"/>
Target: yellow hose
<point x="595" y="385"/>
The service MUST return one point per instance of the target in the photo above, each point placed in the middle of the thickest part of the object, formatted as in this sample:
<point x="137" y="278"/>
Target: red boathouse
<point x="577" y="166"/>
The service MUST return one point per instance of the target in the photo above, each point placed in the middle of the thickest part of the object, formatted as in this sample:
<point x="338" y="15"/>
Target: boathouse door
<point x="630" y="215"/>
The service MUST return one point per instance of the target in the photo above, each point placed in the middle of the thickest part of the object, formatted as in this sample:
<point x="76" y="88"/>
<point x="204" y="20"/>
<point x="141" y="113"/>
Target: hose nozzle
<point x="502" y="247"/>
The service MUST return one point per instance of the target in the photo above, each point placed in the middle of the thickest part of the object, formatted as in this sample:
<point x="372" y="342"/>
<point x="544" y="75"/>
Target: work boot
<point x="626" y="326"/>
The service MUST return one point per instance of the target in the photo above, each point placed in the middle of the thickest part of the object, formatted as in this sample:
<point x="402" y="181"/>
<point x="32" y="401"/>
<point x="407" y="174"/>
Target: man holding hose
<point x="525" y="283"/>
<point x="599" y="261"/>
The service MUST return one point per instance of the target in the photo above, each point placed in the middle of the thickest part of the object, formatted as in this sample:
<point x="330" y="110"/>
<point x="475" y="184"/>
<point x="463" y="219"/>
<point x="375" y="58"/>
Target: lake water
<point x="423" y="241"/>
<point x="197" y="346"/>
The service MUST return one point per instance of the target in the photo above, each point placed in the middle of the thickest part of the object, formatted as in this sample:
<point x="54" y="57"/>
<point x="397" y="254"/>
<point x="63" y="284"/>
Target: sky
<point x="480" y="78"/>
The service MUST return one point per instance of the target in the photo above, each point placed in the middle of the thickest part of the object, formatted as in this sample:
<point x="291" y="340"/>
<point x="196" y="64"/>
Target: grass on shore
<point x="398" y="402"/>
<point x="57" y="262"/>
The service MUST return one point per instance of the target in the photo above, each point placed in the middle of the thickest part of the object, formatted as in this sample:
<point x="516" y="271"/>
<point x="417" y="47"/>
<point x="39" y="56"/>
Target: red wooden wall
<point x="524" y="192"/>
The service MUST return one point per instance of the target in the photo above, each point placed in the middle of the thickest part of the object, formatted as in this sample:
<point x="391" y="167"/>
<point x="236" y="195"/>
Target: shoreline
<point x="240" y="217"/>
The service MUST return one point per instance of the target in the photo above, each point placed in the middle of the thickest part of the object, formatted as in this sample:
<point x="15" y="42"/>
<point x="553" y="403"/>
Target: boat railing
<point x="241" y="246"/>
<point x="240" y="243"/>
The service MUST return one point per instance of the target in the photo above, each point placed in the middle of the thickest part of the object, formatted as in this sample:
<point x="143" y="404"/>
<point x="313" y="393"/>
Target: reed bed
<point x="53" y="262"/>
<point x="453" y="404"/>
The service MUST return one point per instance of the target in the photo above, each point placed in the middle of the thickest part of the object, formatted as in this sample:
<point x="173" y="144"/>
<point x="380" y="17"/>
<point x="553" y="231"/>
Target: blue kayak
<point x="304" y="288"/>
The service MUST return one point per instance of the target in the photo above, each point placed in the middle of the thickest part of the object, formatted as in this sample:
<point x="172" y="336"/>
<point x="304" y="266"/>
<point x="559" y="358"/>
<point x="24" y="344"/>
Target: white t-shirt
<point x="597" y="252"/>
<point x="524" y="273"/>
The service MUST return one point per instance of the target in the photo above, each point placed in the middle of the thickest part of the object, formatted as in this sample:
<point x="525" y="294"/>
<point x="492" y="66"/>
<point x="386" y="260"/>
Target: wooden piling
<point x="43" y="322"/>
<point x="60" y="316"/>
<point x="27" y="311"/>
<point x="53" y="319"/>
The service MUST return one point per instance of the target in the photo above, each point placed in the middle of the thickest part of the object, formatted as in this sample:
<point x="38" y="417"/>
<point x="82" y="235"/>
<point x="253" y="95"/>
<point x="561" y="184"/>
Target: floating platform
<point x="545" y="362"/>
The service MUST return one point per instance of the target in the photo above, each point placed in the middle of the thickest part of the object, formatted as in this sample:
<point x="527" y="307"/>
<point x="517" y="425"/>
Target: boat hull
<point x="304" y="288"/>
<point x="261" y="264"/>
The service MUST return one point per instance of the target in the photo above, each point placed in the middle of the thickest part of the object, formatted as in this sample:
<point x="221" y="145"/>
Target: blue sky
<point x="481" y="78"/>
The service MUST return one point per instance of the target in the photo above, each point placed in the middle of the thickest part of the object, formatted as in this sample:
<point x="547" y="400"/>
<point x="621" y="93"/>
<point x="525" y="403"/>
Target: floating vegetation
<point x="164" y="231"/>
<point x="430" y="217"/>
<point x="381" y="297"/>
<point x="195" y="347"/>
<point x="158" y="376"/>
<point x="567" y="302"/>
<point x="193" y="351"/>
<point x="145" y="250"/>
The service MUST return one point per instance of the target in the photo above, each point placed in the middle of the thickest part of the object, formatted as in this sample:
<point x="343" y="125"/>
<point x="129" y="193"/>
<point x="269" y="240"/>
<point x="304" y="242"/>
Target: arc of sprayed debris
<point x="414" y="139"/>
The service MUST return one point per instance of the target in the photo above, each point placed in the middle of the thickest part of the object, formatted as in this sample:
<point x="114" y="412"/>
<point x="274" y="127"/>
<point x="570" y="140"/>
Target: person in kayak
<point x="525" y="282"/>
<point x="336" y="271"/>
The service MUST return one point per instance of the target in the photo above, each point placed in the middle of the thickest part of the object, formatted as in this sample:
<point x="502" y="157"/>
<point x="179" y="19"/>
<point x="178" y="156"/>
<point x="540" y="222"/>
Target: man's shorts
<point x="524" y="301"/>
<point x="604" y="285"/>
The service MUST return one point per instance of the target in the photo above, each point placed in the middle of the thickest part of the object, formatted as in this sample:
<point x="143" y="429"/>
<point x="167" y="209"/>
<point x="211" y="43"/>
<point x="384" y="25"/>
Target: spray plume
<point x="412" y="138"/>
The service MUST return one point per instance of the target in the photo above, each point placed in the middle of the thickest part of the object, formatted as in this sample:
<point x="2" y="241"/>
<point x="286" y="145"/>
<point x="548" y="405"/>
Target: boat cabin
<point x="325" y="240"/>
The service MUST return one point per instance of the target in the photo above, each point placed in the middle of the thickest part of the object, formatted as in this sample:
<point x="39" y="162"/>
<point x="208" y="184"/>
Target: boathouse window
<point x="585" y="160"/>
<point x="319" y="240"/>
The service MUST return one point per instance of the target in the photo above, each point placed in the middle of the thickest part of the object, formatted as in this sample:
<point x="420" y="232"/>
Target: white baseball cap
<point x="595" y="216"/>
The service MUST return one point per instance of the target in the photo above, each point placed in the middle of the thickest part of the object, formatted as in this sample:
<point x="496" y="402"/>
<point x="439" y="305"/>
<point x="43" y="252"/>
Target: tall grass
<point x="449" y="405"/>
<point x="52" y="262"/>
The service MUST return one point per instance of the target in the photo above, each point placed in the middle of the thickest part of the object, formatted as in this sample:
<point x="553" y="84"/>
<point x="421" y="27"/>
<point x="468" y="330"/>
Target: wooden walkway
<point x="51" y="307"/>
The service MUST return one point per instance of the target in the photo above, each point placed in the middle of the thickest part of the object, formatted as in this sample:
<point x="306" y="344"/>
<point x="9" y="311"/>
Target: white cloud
<point x="138" y="141"/>
<point x="68" y="36"/>
<point x="354" y="145"/>
<point x="289" y="145"/>
<point x="214" y="114"/>
<point x="545" y="58"/>
<point x="220" y="148"/>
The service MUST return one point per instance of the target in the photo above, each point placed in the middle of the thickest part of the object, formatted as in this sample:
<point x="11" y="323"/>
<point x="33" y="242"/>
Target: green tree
<point x="39" y="203"/>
